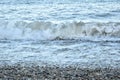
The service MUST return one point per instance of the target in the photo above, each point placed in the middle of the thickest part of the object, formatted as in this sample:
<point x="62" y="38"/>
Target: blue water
<point x="58" y="10"/>
<point x="14" y="2"/>
<point x="63" y="32"/>
<point x="49" y="19"/>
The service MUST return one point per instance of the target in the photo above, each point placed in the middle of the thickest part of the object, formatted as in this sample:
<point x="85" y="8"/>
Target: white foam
<point x="63" y="30"/>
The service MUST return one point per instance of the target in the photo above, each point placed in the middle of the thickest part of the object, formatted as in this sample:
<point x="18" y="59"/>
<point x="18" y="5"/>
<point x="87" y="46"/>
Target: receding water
<point x="61" y="52"/>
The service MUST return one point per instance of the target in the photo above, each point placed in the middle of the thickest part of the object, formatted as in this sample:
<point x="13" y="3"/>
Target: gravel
<point x="37" y="72"/>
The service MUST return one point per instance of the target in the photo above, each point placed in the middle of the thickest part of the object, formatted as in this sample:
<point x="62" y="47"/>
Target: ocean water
<point x="64" y="32"/>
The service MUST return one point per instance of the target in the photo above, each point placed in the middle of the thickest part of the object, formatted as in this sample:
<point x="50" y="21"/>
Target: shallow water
<point x="61" y="52"/>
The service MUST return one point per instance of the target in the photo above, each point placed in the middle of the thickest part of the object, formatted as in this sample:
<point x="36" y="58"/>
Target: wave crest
<point x="63" y="30"/>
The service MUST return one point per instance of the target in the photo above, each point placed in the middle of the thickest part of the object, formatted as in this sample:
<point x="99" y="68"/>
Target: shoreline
<point x="36" y="72"/>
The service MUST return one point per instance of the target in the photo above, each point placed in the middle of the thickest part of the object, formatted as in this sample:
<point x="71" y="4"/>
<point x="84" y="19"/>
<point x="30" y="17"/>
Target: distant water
<point x="48" y="19"/>
<point x="58" y="31"/>
<point x="52" y="1"/>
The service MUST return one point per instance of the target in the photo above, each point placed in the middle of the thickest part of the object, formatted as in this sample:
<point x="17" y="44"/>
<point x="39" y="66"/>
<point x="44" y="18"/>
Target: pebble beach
<point x="46" y="72"/>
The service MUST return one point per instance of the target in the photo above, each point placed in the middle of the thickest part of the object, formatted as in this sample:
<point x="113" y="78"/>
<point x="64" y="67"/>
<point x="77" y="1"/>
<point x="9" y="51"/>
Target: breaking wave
<point x="63" y="30"/>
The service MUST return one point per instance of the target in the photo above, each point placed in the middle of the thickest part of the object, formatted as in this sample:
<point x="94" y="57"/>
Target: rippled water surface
<point x="62" y="52"/>
<point x="107" y="11"/>
<point x="63" y="32"/>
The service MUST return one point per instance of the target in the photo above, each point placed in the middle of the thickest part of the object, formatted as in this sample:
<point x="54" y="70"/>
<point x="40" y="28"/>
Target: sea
<point x="60" y="32"/>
